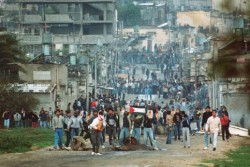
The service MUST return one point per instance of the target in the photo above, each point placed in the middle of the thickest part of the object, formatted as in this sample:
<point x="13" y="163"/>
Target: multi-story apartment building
<point x="46" y="26"/>
<point x="185" y="5"/>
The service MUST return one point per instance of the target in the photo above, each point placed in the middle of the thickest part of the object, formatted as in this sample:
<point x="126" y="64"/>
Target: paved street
<point x="168" y="156"/>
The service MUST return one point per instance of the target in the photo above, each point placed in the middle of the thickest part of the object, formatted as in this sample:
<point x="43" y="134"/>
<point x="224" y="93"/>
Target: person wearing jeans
<point x="95" y="130"/>
<point x="169" y="127"/>
<point x="137" y="122"/>
<point x="57" y="125"/>
<point x="6" y="116"/>
<point x="205" y="117"/>
<point x="177" y="124"/>
<point x="148" y="131"/>
<point x="213" y="126"/>
<point x="125" y="128"/>
<point x="75" y="123"/>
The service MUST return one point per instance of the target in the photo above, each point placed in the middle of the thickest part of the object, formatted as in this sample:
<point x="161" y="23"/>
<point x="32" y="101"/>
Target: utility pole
<point x="95" y="96"/>
<point x="195" y="81"/>
<point x="99" y="45"/>
<point x="87" y="80"/>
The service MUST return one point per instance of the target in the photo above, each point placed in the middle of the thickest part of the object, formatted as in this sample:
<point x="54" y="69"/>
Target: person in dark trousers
<point x="24" y="120"/>
<point x="205" y="117"/>
<point x="224" y="124"/>
<point x="227" y="114"/>
<point x="111" y="120"/>
<point x="67" y="132"/>
<point x="96" y="128"/>
<point x="147" y="73"/>
<point x="242" y="121"/>
<point x="177" y="124"/>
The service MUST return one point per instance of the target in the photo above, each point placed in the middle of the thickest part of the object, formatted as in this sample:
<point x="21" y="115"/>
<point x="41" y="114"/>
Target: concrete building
<point x="153" y="14"/>
<point x="231" y="84"/>
<point x="187" y="5"/>
<point x="239" y="6"/>
<point x="49" y="83"/>
<point x="51" y="25"/>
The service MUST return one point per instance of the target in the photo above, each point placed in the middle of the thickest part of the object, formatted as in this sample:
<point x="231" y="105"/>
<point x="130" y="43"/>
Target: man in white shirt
<point x="214" y="125"/>
<point x="96" y="128"/>
<point x="17" y="118"/>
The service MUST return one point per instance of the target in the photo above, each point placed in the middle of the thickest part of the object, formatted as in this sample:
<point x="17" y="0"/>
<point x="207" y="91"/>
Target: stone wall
<point x="237" y="105"/>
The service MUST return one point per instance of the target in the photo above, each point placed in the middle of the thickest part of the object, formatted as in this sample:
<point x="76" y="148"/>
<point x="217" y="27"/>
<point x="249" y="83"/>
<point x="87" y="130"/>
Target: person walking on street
<point x="75" y="123"/>
<point x="112" y="121"/>
<point x="185" y="132"/>
<point x="205" y="117"/>
<point x="96" y="128"/>
<point x="67" y="131"/>
<point x="224" y="126"/>
<point x="177" y="124"/>
<point x="213" y="126"/>
<point x="169" y="126"/>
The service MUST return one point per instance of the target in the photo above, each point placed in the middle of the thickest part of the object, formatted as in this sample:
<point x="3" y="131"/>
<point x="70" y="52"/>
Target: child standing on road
<point x="185" y="132"/>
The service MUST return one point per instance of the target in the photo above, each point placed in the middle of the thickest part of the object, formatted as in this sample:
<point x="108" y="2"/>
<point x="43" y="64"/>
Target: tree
<point x="130" y="14"/>
<point x="10" y="57"/>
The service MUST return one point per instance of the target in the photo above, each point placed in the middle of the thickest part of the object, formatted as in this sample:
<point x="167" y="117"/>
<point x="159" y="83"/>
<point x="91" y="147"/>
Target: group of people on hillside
<point x="26" y="119"/>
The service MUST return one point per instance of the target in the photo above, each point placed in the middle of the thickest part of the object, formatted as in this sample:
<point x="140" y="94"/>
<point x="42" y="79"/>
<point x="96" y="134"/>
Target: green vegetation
<point x="25" y="139"/>
<point x="237" y="158"/>
<point x="130" y="14"/>
<point x="10" y="58"/>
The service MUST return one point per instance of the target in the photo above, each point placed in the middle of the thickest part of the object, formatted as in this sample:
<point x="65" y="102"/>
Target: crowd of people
<point x="24" y="119"/>
<point x="112" y="117"/>
<point x="108" y="119"/>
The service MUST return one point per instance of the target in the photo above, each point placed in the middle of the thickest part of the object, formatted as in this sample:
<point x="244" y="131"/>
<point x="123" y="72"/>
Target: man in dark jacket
<point x="177" y="124"/>
<point x="205" y="117"/>
<point x="137" y="123"/>
<point x="125" y="128"/>
<point x="148" y="131"/>
<point x="112" y="122"/>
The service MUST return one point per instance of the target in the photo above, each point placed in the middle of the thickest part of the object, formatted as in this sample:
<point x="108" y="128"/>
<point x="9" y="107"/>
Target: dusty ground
<point x="168" y="156"/>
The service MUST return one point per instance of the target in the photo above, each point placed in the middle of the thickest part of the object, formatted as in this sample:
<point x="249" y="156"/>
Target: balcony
<point x="31" y="19"/>
<point x="58" y="18"/>
<point x="86" y="39"/>
<point x="30" y="39"/>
